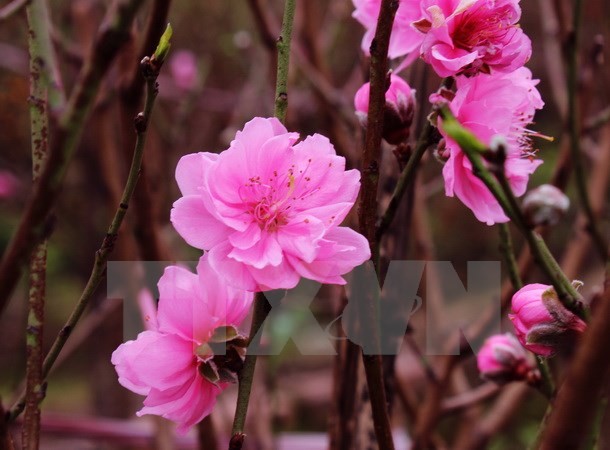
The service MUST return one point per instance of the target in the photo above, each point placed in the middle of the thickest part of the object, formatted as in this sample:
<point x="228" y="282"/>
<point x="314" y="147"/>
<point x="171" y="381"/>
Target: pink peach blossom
<point x="398" y="115"/>
<point x="471" y="36"/>
<point x="540" y="319"/>
<point x="268" y="210"/>
<point x="404" y="39"/>
<point x="489" y="106"/>
<point x="164" y="363"/>
<point x="502" y="358"/>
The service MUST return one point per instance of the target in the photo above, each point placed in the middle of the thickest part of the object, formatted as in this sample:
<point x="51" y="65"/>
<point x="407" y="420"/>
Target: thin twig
<point x="508" y="253"/>
<point x="40" y="64"/>
<point x="598" y="238"/>
<point x="283" y="61"/>
<point x="145" y="218"/>
<point x="260" y="313"/>
<point x="35" y="223"/>
<point x="426" y="139"/>
<point x="597" y="121"/>
<point x="102" y="254"/>
<point x="468" y="399"/>
<point x="12" y="8"/>
<point x="261" y="305"/>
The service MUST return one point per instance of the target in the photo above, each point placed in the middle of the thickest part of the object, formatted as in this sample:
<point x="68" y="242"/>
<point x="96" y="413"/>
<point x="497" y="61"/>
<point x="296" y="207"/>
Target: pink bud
<point x="502" y="359"/>
<point x="542" y="324"/>
<point x="399" y="108"/>
<point x="183" y="67"/>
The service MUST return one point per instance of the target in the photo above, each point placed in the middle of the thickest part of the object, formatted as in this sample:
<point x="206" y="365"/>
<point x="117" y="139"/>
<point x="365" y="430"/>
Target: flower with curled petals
<point x="472" y="36"/>
<point x="268" y="210"/>
<point x="185" y="358"/>
<point x="490" y="106"/>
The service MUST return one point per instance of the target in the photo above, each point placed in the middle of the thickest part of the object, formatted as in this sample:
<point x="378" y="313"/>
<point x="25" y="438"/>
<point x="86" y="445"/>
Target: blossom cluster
<point x="266" y="211"/>
<point x="543" y="326"/>
<point x="481" y="45"/>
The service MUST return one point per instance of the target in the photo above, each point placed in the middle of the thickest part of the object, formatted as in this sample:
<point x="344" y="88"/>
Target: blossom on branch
<point x="490" y="106"/>
<point x="190" y="351"/>
<point x="268" y="209"/>
<point x="472" y="36"/>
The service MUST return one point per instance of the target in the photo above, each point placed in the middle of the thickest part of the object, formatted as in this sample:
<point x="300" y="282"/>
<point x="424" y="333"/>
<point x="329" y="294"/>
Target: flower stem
<point x="101" y="255"/>
<point x="261" y="305"/>
<point x="506" y="247"/>
<point x="260" y="313"/>
<point x="600" y="242"/>
<point x="407" y="176"/>
<point x="283" y="61"/>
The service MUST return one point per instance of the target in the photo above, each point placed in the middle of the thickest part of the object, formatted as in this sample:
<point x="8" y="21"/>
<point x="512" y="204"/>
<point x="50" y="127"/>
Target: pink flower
<point x="541" y="322"/>
<point x="491" y="105"/>
<point x="399" y="108"/>
<point x="268" y="210"/>
<point x="471" y="36"/>
<point x="172" y="362"/>
<point x="183" y="68"/>
<point x="502" y="358"/>
<point x="404" y="38"/>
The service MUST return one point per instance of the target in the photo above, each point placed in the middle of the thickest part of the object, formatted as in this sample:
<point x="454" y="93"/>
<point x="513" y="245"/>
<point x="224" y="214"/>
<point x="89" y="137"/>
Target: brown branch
<point x="367" y="211"/>
<point x="571" y="418"/>
<point x="497" y="417"/>
<point x="429" y="412"/>
<point x="36" y="222"/>
<point x="468" y="399"/>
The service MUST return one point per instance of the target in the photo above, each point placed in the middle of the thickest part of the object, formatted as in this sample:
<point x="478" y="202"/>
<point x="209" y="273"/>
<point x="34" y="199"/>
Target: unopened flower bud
<point x="502" y="359"/>
<point x="542" y="324"/>
<point x="398" y="111"/>
<point x="545" y="205"/>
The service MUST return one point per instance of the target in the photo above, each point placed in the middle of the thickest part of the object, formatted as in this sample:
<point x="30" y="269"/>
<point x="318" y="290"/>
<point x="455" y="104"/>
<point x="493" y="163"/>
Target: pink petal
<point x="229" y="306"/>
<point x="191" y="171"/>
<point x="265" y="252"/>
<point x="154" y="360"/>
<point x="196" y="224"/>
<point x="235" y="273"/>
<point x="182" y="310"/>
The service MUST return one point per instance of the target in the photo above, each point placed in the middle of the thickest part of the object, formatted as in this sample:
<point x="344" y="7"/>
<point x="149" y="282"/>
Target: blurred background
<point x="219" y="75"/>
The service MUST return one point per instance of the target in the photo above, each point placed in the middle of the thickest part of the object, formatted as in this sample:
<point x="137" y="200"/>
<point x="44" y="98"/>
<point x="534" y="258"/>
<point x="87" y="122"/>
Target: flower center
<point x="480" y="27"/>
<point x="268" y="203"/>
